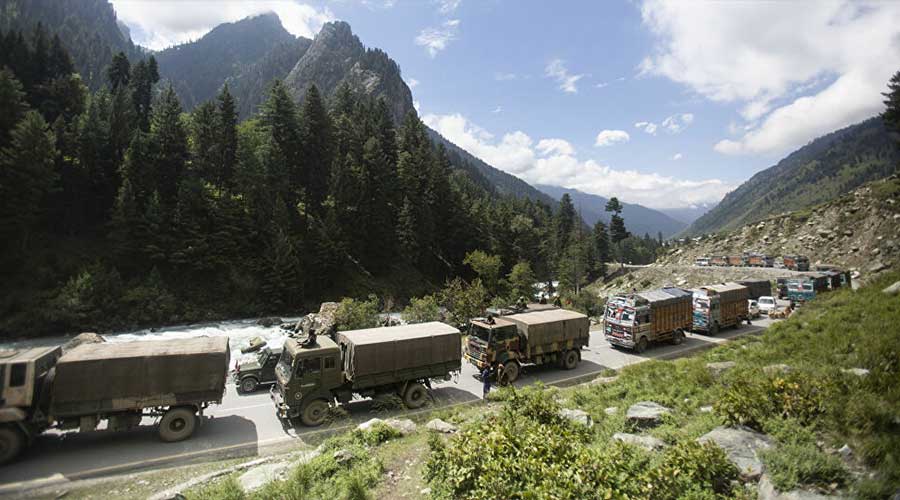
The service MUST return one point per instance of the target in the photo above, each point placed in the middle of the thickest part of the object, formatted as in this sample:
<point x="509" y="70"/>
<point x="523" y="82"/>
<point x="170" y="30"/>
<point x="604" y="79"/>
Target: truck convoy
<point x="636" y="319"/>
<point x="532" y="337"/>
<point x="399" y="360"/>
<point x="122" y="383"/>
<point x="718" y="306"/>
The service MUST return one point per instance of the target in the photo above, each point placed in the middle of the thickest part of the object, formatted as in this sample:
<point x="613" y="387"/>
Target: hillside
<point x="824" y="169"/>
<point x="639" y="219"/>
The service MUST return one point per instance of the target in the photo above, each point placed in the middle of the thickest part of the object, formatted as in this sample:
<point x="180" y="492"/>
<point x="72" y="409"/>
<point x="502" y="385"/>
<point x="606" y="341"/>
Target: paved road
<point x="246" y="425"/>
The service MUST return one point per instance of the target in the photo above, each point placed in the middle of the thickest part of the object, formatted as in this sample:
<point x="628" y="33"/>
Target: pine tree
<point x="227" y="142"/>
<point x="169" y="142"/>
<point x="96" y="161"/>
<point x="122" y="123"/>
<point x="617" y="231"/>
<point x="601" y="243"/>
<point x="60" y="63"/>
<point x="891" y="114"/>
<point x="118" y="74"/>
<point x="565" y="223"/>
<point x="315" y="148"/>
<point x="143" y="76"/>
<point x="279" y="120"/>
<point x="204" y="140"/>
<point x="12" y="102"/>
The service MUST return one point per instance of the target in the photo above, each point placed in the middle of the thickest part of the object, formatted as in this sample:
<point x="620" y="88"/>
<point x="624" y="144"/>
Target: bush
<point x="422" y="310"/>
<point x="355" y="314"/>
<point x="90" y="299"/>
<point x="794" y="464"/>
<point x="376" y="434"/>
<point x="463" y="301"/>
<point x="752" y="398"/>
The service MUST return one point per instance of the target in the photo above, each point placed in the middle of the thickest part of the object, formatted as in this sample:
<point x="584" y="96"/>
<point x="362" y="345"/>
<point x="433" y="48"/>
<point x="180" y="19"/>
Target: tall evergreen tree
<point x="891" y="114"/>
<point x="601" y="243"/>
<point x="169" y="142"/>
<point x="279" y="120"/>
<point x="315" y="148"/>
<point x="118" y="74"/>
<point x="565" y="223"/>
<point x="227" y="141"/>
<point x="12" y="102"/>
<point x="617" y="230"/>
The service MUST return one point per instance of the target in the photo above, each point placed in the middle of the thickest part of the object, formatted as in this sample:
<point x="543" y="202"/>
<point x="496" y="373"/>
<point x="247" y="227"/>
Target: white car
<point x="753" y="308"/>
<point x="767" y="304"/>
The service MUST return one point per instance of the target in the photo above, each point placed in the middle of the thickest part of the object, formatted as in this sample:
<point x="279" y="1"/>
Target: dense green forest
<point x="119" y="209"/>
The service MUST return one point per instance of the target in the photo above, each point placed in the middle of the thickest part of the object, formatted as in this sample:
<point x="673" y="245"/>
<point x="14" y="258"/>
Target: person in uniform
<point x="486" y="381"/>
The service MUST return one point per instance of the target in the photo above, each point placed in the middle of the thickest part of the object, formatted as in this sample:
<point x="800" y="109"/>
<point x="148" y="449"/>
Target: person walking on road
<point x="486" y="380"/>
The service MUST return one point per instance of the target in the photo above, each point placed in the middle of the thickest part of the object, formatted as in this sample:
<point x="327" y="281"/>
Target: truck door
<point x="16" y="392"/>
<point x="310" y="374"/>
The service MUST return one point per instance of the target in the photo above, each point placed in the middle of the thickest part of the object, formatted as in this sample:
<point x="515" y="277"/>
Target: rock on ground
<point x="258" y="476"/>
<point x="741" y="445"/>
<point x="578" y="416"/>
<point x="720" y="367"/>
<point x="368" y="424"/>
<point x="893" y="289"/>
<point x="766" y="491"/>
<point x="83" y="338"/>
<point x="859" y="372"/>
<point x="439" y="425"/>
<point x="343" y="456"/>
<point x="403" y="425"/>
<point x="612" y="410"/>
<point x="649" y="443"/>
<point x="646" y="413"/>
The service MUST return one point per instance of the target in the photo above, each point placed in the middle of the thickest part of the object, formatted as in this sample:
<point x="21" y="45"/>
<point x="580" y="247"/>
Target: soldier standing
<point x="486" y="380"/>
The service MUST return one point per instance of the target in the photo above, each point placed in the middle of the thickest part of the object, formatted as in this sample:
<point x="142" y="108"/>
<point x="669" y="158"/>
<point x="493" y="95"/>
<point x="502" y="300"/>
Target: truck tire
<point x="415" y="396"/>
<point x="570" y="359"/>
<point x="314" y="413"/>
<point x="511" y="371"/>
<point x="12" y="442"/>
<point x="677" y="337"/>
<point x="177" y="424"/>
<point x="641" y="345"/>
<point x="248" y="384"/>
<point x="714" y="328"/>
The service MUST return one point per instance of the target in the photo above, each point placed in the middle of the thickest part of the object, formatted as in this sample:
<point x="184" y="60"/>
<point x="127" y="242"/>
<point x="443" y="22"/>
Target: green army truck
<point x="535" y="338"/>
<point x="397" y="360"/>
<point x="121" y="383"/>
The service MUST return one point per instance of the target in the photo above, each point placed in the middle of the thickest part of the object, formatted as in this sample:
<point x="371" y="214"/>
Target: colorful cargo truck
<point x="805" y="288"/>
<point x="120" y="383"/>
<point x="757" y="288"/>
<point x="796" y="262"/>
<point x="529" y="338"/>
<point x="637" y="319"/>
<point x="398" y="360"/>
<point x="720" y="306"/>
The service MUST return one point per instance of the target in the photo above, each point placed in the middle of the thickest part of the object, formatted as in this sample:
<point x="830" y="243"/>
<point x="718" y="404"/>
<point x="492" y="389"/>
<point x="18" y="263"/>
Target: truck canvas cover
<point x="727" y="291"/>
<point x="547" y="327"/>
<point x="132" y="375"/>
<point x="384" y="350"/>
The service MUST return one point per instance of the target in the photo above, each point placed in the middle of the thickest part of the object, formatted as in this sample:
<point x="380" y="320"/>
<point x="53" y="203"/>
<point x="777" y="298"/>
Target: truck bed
<point x="544" y="328"/>
<point x="130" y="376"/>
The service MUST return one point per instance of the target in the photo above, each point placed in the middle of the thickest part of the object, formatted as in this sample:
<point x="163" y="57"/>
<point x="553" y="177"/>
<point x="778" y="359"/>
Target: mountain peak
<point x="336" y="30"/>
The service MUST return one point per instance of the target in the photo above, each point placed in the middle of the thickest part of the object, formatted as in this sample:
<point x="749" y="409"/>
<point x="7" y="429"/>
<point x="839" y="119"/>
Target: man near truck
<point x="486" y="381"/>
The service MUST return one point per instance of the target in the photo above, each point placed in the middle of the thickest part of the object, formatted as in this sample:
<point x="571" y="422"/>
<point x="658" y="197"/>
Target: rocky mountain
<point x="639" y="219"/>
<point x="823" y="170"/>
<point x="87" y="28"/>
<point x="198" y="69"/>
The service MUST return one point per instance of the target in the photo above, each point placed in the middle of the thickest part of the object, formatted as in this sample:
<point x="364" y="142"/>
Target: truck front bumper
<point x="282" y="409"/>
<point x="477" y="361"/>
<point x="619" y="341"/>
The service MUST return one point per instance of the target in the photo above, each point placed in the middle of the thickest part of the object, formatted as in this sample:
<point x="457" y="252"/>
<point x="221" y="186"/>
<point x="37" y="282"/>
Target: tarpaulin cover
<point x="385" y="350"/>
<point x="134" y="375"/>
<point x="728" y="292"/>
<point x="757" y="288"/>
<point x="547" y="327"/>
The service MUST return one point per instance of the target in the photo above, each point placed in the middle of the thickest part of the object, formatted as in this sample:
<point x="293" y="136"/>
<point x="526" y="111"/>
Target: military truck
<point x="122" y="383"/>
<point x="535" y="337"/>
<point x="374" y="362"/>
<point x="757" y="288"/>
<point x="253" y="371"/>
<point x="635" y="320"/>
<point x="719" y="306"/>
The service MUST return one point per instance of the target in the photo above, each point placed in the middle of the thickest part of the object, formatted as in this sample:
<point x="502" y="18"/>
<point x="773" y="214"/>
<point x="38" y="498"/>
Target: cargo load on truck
<point x="736" y="260"/>
<point x="116" y="376"/>
<point x="718" y="260"/>
<point x="637" y="319"/>
<point x="719" y="306"/>
<point x="796" y="262"/>
<point x="375" y="351"/>
<point x="757" y="288"/>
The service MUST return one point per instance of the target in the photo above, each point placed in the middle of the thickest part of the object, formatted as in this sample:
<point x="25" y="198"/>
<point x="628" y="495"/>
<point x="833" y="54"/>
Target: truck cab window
<point x="313" y="365"/>
<point x="329" y="363"/>
<point x="17" y="375"/>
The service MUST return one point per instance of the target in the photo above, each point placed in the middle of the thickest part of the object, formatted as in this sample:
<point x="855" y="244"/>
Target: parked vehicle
<point x="778" y="263"/>
<point x="767" y="305"/>
<point x="536" y="337"/>
<point x="718" y="260"/>
<point x="837" y="278"/>
<point x="253" y="371"/>
<point x="119" y="382"/>
<point x="805" y="288"/>
<point x="635" y="320"/>
<point x="759" y="260"/>
<point x="702" y="261"/>
<point x="796" y="262"/>
<point x="757" y="288"/>
<point x="719" y="306"/>
<point x="753" y="308"/>
<point x="736" y="260"/>
<point x="396" y="360"/>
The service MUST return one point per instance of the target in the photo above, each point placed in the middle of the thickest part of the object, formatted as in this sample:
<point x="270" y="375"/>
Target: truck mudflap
<point x="283" y="409"/>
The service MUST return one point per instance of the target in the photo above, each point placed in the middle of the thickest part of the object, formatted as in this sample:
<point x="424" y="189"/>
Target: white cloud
<point x="606" y="84"/>
<point x="498" y="109"/>
<point x="549" y="147"/>
<point x="795" y="71"/>
<point x="412" y="83"/>
<point x="610" y="137"/>
<point x="648" y="127"/>
<point x="556" y="69"/>
<point x="163" y="23"/>
<point x="448" y="6"/>
<point x="676" y="123"/>
<point x="552" y="162"/>
<point x="677" y="156"/>
<point x="417" y="106"/>
<point x="436" y="39"/>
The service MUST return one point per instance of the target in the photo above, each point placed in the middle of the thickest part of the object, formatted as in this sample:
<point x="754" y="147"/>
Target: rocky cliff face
<point x="336" y="56"/>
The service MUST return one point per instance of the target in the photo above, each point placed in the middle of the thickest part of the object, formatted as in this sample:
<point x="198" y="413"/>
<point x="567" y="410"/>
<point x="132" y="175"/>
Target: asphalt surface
<point x="246" y="424"/>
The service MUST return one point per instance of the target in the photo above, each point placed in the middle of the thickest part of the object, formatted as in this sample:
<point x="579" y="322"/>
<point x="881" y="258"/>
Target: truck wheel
<point x="12" y="442"/>
<point x="416" y="395"/>
<point x="677" y="337"/>
<point x="510" y="372"/>
<point x="314" y="413"/>
<point x="714" y="328"/>
<point x="570" y="359"/>
<point x="177" y="424"/>
<point x="249" y="384"/>
<point x="641" y="346"/>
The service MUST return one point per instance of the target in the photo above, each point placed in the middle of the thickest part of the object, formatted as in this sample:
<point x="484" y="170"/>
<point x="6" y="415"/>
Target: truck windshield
<point x="480" y="332"/>
<point x="283" y="369"/>
<point x="620" y="314"/>
<point x="702" y="304"/>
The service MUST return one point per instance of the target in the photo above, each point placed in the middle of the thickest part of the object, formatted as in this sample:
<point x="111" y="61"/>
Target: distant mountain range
<point x="823" y="170"/>
<point x="639" y="219"/>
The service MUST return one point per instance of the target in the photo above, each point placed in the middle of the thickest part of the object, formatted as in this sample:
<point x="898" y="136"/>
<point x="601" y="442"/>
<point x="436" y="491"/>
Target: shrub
<point x="751" y="398"/>
<point x="355" y="314"/>
<point x="794" y="464"/>
<point x="376" y="434"/>
<point x="463" y="301"/>
<point x="422" y="310"/>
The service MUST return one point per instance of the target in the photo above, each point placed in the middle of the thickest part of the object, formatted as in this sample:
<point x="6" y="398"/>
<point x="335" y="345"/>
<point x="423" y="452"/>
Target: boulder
<point x="646" y="414"/>
<point x="578" y="416"/>
<point x="343" y="456"/>
<point x="648" y="443"/>
<point x="766" y="491"/>
<point x="612" y="410"/>
<point x="267" y="322"/>
<point x="741" y="445"/>
<point x="891" y="290"/>
<point x="720" y="367"/>
<point x="439" y="425"/>
<point x="405" y="426"/>
<point x="259" y="476"/>
<point x="368" y="424"/>
<point x="83" y="338"/>
<point x="877" y="267"/>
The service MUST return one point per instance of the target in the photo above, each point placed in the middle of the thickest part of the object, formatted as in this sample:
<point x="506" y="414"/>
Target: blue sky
<point x="664" y="103"/>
